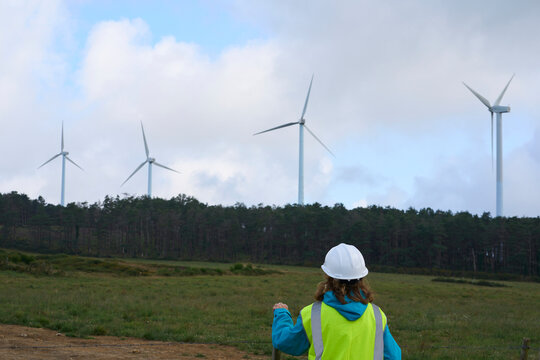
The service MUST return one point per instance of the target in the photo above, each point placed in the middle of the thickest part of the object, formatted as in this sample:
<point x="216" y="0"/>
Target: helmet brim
<point x="343" y="276"/>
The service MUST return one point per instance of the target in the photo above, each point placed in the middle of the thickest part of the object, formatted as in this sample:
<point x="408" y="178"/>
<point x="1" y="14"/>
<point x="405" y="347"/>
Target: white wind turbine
<point x="150" y="161"/>
<point x="499" y="110"/>
<point x="302" y="123"/>
<point x="64" y="157"/>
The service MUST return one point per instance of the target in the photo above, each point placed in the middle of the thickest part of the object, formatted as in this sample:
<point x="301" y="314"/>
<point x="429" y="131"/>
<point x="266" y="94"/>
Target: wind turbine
<point x="64" y="157"/>
<point x="302" y="123"/>
<point x="499" y="110"/>
<point x="150" y="161"/>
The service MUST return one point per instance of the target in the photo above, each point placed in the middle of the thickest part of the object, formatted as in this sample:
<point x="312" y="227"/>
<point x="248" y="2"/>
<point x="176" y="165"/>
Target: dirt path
<point x="20" y="342"/>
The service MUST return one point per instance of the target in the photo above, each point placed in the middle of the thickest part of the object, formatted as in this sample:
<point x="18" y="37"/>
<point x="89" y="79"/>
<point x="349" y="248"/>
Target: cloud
<point x="392" y="195"/>
<point x="468" y="184"/>
<point x="32" y="71"/>
<point x="199" y="109"/>
<point x="360" y="203"/>
<point x="522" y="176"/>
<point x="387" y="98"/>
<point x="356" y="174"/>
<point x="400" y="64"/>
<point x="455" y="186"/>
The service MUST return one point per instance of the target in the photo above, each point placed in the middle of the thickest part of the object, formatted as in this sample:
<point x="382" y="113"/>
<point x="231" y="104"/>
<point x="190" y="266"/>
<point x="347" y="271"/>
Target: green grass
<point x="430" y="320"/>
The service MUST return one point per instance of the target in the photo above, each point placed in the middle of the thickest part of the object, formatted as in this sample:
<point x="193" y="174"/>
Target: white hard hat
<point x="344" y="262"/>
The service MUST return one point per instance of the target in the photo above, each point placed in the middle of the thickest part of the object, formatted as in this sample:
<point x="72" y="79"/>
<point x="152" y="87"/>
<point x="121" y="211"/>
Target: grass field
<point x="189" y="302"/>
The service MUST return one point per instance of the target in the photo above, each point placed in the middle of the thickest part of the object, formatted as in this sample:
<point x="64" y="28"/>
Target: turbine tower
<point x="150" y="161"/>
<point x="302" y="123"/>
<point x="496" y="108"/>
<point x="64" y="155"/>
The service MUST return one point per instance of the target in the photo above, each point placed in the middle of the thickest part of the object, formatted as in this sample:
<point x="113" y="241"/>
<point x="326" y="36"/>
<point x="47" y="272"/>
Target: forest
<point x="186" y="229"/>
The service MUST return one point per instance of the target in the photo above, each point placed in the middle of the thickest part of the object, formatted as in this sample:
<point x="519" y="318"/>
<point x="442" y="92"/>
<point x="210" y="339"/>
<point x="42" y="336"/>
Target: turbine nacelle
<point x="499" y="109"/>
<point x="302" y="121"/>
<point x="65" y="153"/>
<point x="151" y="160"/>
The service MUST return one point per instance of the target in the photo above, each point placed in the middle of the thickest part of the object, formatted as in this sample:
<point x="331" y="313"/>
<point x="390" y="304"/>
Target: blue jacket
<point x="292" y="339"/>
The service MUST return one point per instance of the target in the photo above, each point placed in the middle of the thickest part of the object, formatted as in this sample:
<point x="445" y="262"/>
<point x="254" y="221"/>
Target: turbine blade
<point x="62" y="146"/>
<point x="320" y="142"/>
<point x="480" y="97"/>
<point x="492" y="142"/>
<point x="145" y="144"/>
<point x="498" y="101"/>
<point x="73" y="162"/>
<point x="51" y="159"/>
<point x="307" y="98"/>
<point x="133" y="173"/>
<point x="278" y="127"/>
<point x="163" y="166"/>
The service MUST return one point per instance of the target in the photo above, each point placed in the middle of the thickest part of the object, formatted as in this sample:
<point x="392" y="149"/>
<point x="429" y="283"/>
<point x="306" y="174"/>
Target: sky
<point x="204" y="76"/>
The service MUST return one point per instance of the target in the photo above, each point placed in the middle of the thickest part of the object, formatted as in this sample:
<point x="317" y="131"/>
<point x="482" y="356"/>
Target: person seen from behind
<point x="343" y="324"/>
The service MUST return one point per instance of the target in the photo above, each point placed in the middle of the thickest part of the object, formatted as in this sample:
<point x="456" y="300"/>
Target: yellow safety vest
<point x="333" y="337"/>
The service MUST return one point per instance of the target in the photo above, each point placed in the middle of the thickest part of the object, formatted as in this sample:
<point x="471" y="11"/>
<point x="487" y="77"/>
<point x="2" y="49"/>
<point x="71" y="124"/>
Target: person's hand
<point x="280" y="306"/>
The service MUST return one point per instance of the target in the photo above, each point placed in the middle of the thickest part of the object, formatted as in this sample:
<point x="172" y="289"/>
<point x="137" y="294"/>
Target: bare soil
<point x="20" y="342"/>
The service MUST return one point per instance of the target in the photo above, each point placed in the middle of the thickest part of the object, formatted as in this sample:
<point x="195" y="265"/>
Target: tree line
<point x="184" y="228"/>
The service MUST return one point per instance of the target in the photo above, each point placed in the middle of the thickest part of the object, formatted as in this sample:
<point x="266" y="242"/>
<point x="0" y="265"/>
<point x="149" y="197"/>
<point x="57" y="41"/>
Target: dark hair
<point x="356" y="290"/>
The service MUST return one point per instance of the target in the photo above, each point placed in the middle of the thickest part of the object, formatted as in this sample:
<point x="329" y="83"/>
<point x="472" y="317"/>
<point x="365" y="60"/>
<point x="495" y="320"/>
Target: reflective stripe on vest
<point x="379" y="342"/>
<point x="316" y="331"/>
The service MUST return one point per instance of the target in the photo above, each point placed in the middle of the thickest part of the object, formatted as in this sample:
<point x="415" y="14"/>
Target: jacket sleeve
<point x="392" y="351"/>
<point x="286" y="336"/>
